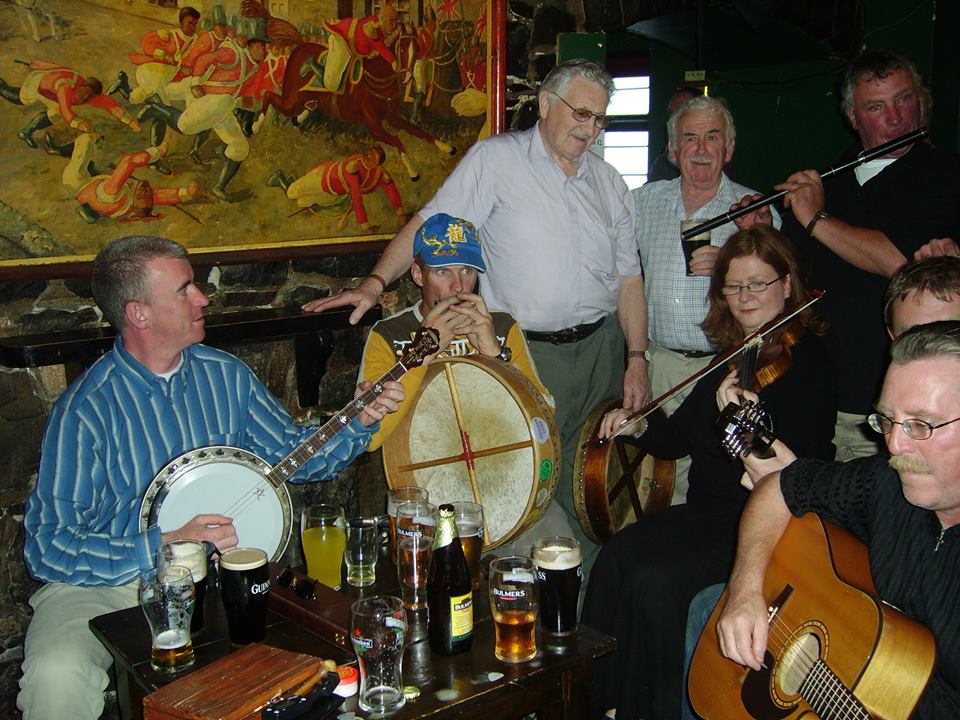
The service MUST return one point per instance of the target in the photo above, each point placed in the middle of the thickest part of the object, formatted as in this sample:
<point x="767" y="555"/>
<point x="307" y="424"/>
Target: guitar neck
<point x="289" y="466"/>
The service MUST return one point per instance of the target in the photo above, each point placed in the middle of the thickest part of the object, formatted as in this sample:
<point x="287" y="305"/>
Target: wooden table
<point x="557" y="683"/>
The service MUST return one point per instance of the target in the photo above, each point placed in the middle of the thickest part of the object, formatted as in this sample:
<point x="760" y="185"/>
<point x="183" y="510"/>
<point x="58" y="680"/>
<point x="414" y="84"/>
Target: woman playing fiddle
<point x="646" y="575"/>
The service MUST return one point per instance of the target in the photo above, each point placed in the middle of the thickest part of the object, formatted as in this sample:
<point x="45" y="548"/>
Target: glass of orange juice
<point x="324" y="536"/>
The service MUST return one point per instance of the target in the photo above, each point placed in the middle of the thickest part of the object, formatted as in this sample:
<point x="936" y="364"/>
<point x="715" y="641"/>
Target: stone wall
<point x="26" y="396"/>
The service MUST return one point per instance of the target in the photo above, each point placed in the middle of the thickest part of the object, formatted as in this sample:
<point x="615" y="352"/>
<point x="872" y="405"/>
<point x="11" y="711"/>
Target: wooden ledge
<point x="312" y="333"/>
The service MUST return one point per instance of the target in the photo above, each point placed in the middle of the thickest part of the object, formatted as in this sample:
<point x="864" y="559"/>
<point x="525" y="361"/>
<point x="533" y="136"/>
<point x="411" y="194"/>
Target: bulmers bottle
<point x="449" y="591"/>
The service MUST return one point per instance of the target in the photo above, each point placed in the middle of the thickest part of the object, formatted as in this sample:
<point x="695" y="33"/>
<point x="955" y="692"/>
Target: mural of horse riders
<point x="368" y="89"/>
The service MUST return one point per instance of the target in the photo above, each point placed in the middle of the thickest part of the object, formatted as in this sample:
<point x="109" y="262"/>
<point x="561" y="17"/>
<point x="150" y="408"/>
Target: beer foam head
<point x="557" y="557"/>
<point x="189" y="554"/>
<point x="243" y="559"/>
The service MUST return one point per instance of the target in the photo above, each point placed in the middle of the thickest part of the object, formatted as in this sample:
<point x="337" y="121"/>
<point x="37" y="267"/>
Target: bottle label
<point x="461" y="616"/>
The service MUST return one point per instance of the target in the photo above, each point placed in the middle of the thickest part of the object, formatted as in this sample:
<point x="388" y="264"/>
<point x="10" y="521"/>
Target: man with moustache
<point x="556" y="228"/>
<point x="157" y="394"/>
<point x="922" y="292"/>
<point x="858" y="228"/>
<point x="702" y="137"/>
<point x="663" y="168"/>
<point x="905" y="507"/>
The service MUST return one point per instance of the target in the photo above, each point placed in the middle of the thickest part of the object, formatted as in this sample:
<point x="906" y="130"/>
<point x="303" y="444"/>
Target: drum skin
<point x="616" y="483"/>
<point x="225" y="480"/>
<point x="479" y="430"/>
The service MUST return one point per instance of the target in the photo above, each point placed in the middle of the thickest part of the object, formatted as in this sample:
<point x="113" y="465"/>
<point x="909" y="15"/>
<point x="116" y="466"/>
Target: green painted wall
<point x="787" y="112"/>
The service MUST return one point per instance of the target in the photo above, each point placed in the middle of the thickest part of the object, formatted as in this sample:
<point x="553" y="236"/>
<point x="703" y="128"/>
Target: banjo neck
<point x="426" y="342"/>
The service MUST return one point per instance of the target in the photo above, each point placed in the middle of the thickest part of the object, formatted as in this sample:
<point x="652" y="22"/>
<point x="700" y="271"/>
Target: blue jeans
<point x="699" y="613"/>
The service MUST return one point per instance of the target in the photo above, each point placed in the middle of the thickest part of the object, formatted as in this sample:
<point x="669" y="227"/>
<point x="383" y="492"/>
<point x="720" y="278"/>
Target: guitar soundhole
<point x="796" y="662"/>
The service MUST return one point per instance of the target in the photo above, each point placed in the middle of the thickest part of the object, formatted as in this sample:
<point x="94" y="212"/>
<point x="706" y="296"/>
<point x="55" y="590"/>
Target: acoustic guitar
<point x="834" y="650"/>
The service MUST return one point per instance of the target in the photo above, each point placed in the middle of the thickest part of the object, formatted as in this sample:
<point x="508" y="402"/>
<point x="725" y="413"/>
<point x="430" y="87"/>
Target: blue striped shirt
<point x="120" y="424"/>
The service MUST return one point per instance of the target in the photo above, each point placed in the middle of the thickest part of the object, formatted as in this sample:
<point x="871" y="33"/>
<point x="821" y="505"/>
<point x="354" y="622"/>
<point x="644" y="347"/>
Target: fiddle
<point x="721" y="360"/>
<point x="746" y="427"/>
<point x="763" y="363"/>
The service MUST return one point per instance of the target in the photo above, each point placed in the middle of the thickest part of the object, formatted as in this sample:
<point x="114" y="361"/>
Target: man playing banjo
<point x="157" y="394"/>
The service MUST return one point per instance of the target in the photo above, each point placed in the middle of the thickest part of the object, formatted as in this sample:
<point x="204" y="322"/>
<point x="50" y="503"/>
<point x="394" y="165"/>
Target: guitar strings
<point x="809" y="669"/>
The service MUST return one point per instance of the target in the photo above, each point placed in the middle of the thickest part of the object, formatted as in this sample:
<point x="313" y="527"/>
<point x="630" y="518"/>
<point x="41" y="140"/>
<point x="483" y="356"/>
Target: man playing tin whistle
<point x="447" y="267"/>
<point x="158" y="394"/>
<point x="856" y="229"/>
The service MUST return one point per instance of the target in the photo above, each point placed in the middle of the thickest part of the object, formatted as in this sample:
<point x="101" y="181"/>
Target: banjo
<point x="239" y="484"/>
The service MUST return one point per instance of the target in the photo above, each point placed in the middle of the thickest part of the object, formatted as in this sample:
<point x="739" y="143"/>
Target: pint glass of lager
<point x="513" y="603"/>
<point x="191" y="554"/>
<point x="395" y="498"/>
<point x="559" y="573"/>
<point x="167" y="597"/>
<point x="470" y="529"/>
<point x="245" y="588"/>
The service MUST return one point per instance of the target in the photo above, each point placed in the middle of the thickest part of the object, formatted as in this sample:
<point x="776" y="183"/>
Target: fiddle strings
<point x="817" y="684"/>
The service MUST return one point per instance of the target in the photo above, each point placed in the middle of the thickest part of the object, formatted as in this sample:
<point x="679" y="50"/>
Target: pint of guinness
<point x="245" y="588"/>
<point x="559" y="572"/>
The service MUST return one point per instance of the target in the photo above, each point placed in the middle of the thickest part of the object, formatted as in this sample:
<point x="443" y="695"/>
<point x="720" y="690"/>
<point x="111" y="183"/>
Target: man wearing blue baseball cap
<point x="447" y="266"/>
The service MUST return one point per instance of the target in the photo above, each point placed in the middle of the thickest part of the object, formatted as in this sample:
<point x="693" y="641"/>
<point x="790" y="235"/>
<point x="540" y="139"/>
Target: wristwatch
<point x="506" y="354"/>
<point x="818" y="216"/>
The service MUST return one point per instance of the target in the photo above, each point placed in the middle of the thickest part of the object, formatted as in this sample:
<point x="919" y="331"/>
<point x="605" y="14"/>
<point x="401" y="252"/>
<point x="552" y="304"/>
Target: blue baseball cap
<point x="445" y="240"/>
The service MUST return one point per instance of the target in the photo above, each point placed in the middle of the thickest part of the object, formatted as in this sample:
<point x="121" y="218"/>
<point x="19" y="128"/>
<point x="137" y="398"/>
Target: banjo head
<point x="617" y="483"/>
<point x="225" y="480"/>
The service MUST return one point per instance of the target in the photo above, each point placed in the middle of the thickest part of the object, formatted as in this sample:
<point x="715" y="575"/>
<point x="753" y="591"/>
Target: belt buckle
<point x="562" y="337"/>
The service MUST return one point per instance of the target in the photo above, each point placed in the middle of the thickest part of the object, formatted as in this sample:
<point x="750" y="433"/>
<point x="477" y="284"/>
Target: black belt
<point x="567" y="335"/>
<point x="694" y="354"/>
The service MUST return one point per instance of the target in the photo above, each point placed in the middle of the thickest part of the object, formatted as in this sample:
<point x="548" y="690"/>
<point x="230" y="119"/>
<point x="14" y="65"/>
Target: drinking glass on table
<point x="245" y="591"/>
<point x="513" y="604"/>
<point x="378" y="629"/>
<point x="559" y="573"/>
<point x="417" y="517"/>
<point x="469" y="517"/>
<point x="395" y="498"/>
<point x="363" y="546"/>
<point x="413" y="567"/>
<point x="167" y="597"/>
<point x="324" y="537"/>
<point x="191" y="554"/>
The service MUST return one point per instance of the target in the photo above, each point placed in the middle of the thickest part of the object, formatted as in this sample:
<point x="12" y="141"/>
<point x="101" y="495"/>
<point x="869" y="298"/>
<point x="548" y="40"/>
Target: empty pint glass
<point x="363" y="546"/>
<point x="559" y="573"/>
<point x="469" y="516"/>
<point x="396" y="498"/>
<point x="191" y="554"/>
<point x="513" y="603"/>
<point x="378" y="629"/>
<point x="167" y="597"/>
<point x="245" y="589"/>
